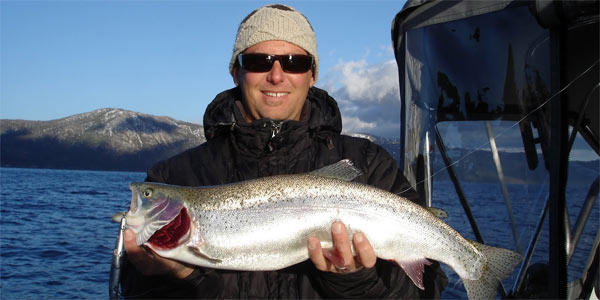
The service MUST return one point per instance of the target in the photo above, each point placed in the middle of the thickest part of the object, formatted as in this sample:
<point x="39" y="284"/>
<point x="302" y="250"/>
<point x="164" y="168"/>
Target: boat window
<point x="480" y="68"/>
<point x="506" y="197"/>
<point x="476" y="94"/>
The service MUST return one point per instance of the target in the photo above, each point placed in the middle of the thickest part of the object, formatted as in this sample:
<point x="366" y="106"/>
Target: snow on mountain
<point x="119" y="130"/>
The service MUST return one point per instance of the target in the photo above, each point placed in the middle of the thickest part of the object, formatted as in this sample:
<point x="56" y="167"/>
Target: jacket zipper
<point x="275" y="128"/>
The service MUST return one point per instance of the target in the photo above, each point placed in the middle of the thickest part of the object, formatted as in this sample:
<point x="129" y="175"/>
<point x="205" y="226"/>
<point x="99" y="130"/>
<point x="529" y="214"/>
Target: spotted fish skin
<point x="264" y="224"/>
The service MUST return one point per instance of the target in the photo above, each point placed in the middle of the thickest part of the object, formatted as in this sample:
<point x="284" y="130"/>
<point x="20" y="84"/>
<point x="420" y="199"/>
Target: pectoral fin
<point x="414" y="268"/>
<point x="199" y="249"/>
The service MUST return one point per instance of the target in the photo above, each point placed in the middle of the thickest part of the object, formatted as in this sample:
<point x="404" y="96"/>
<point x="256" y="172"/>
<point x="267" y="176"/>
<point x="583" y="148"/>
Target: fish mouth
<point x="153" y="213"/>
<point x="173" y="234"/>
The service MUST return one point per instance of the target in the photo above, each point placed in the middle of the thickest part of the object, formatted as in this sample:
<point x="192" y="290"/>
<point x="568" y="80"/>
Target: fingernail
<point x="311" y="245"/>
<point x="336" y="228"/>
<point x="358" y="237"/>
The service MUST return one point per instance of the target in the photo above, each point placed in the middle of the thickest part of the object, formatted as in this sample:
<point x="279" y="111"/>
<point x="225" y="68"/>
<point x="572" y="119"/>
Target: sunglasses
<point x="290" y="63"/>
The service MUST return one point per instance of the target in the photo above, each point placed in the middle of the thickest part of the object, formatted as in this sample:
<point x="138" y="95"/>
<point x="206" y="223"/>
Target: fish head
<point x="157" y="215"/>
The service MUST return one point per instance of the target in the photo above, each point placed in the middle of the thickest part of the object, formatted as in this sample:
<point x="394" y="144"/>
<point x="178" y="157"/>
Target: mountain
<point x="478" y="165"/>
<point x="104" y="139"/>
<point x="116" y="139"/>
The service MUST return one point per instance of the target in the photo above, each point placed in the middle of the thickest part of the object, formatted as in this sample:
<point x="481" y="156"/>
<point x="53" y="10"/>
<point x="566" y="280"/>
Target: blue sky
<point x="61" y="58"/>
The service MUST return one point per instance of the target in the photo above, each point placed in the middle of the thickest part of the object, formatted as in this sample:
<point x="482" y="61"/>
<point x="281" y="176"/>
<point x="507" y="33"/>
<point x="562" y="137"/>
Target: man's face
<point x="274" y="94"/>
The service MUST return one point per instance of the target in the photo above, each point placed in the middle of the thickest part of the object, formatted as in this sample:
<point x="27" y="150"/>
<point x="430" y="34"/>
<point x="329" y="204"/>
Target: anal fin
<point x="414" y="268"/>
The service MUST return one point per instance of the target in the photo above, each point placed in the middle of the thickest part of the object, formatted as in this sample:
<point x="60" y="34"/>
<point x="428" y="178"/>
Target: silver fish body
<point x="264" y="224"/>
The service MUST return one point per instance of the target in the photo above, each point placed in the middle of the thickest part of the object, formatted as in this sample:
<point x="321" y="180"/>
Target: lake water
<point x="56" y="231"/>
<point x="57" y="237"/>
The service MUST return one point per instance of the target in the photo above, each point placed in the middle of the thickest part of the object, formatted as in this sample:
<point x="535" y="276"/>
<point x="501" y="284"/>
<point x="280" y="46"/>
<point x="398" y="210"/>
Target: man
<point x="275" y="122"/>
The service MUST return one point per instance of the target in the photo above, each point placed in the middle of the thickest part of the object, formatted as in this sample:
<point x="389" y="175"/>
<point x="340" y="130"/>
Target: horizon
<point x="455" y="138"/>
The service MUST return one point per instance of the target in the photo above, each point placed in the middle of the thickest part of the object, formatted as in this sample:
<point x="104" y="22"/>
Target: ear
<point x="235" y="76"/>
<point x="312" y="78"/>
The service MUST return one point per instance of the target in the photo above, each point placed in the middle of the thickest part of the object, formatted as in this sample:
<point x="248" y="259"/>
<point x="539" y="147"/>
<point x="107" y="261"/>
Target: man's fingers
<point x="342" y="246"/>
<point x="364" y="251"/>
<point x="339" y="259"/>
<point x="135" y="253"/>
<point x="129" y="243"/>
<point x="315" y="252"/>
<point x="148" y="263"/>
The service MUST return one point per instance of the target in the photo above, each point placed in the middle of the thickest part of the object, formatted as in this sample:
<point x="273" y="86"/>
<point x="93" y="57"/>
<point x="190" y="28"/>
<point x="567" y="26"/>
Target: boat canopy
<point x="492" y="60"/>
<point x="532" y="64"/>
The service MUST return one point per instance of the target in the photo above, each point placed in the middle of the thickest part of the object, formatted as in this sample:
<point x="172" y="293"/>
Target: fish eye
<point x="148" y="193"/>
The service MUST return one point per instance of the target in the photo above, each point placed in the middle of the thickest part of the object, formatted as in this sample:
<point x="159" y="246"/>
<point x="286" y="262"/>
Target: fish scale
<point x="264" y="224"/>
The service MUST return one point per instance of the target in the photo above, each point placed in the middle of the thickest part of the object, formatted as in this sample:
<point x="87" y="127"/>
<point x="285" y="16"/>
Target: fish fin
<point x="500" y="263"/>
<point x="343" y="170"/>
<point x="438" y="212"/>
<point x="414" y="268"/>
<point x="198" y="249"/>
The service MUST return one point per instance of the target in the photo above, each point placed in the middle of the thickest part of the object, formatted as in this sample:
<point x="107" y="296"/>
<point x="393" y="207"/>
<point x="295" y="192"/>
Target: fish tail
<point x="500" y="263"/>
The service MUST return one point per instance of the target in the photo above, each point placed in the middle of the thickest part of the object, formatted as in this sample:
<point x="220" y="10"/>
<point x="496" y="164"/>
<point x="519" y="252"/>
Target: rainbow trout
<point x="264" y="224"/>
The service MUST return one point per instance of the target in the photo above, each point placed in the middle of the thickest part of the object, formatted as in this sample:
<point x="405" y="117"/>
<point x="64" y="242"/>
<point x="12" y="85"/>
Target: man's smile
<point x="276" y="94"/>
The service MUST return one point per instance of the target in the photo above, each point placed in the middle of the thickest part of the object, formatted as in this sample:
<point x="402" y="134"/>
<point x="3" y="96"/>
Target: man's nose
<point x="276" y="75"/>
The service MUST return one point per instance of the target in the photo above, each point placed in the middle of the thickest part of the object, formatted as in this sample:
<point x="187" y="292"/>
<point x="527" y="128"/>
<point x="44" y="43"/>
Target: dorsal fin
<point x="343" y="170"/>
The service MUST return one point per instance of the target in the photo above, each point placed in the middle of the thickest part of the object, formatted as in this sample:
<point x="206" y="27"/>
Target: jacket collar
<point x="220" y="116"/>
<point x="265" y="136"/>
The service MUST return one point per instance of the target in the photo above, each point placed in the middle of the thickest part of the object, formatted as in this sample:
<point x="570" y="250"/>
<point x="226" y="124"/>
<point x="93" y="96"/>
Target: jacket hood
<point x="220" y="115"/>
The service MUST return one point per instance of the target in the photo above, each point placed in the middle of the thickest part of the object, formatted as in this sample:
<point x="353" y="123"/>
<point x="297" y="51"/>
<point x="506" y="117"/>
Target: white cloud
<point x="356" y="125"/>
<point x="368" y="96"/>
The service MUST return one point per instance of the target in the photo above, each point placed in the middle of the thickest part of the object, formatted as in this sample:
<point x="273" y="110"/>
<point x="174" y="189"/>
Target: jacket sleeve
<point x="384" y="281"/>
<point x="134" y="285"/>
<point x="383" y="172"/>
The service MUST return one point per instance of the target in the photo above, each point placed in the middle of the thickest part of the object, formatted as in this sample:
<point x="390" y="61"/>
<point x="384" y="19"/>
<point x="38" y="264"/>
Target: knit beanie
<point x="275" y="22"/>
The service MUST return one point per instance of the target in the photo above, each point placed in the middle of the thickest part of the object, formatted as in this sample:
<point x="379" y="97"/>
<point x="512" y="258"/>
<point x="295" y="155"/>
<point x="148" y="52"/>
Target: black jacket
<point x="236" y="151"/>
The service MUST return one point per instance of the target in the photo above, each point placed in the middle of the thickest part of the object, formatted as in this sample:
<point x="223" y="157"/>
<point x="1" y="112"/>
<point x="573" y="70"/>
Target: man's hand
<point x="339" y="259"/>
<point x="149" y="263"/>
